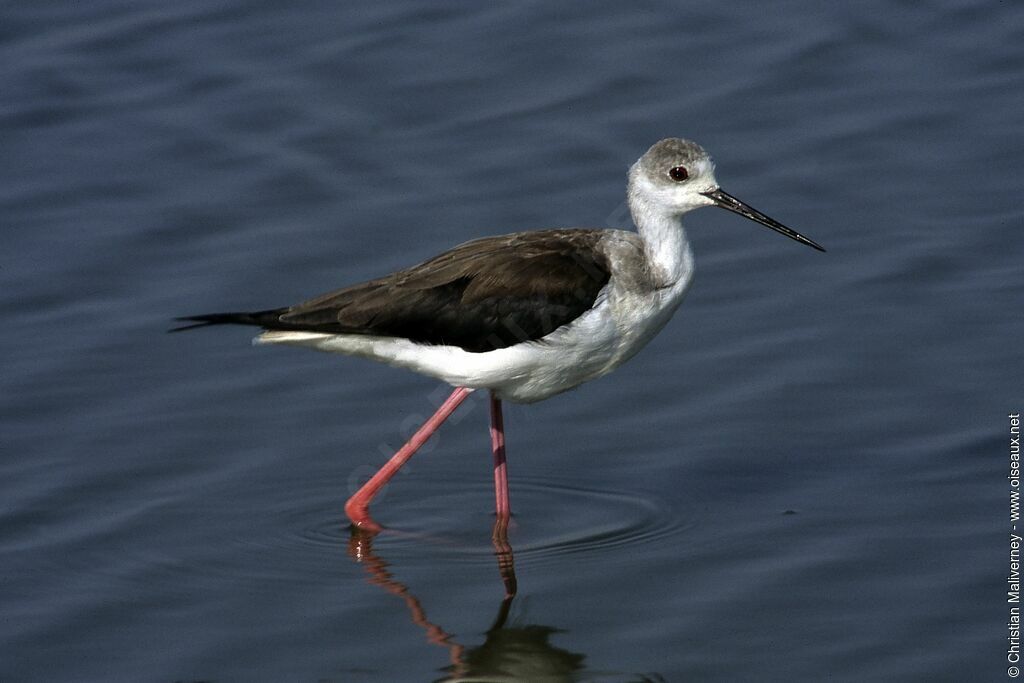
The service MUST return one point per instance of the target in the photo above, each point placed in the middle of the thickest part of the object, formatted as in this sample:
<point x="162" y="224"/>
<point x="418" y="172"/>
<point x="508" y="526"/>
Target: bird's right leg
<point x="357" y="507"/>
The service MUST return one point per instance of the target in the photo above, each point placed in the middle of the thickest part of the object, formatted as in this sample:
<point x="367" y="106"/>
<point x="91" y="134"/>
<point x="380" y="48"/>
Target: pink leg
<point x="357" y="507"/>
<point x="501" y="502"/>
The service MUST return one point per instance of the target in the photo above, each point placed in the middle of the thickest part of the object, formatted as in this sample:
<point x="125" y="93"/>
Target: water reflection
<point x="509" y="652"/>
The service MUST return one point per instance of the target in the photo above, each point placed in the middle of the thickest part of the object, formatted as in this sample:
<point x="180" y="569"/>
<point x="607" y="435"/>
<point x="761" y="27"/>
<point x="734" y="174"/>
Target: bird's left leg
<point x="501" y="502"/>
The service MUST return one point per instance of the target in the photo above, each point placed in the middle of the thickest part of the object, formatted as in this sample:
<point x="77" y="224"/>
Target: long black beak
<point x="727" y="201"/>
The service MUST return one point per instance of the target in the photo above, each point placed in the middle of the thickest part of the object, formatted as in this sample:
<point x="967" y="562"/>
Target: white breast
<point x="627" y="314"/>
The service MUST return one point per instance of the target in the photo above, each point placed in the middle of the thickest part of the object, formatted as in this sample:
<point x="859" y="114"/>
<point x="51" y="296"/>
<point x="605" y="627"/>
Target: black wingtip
<point x="196" y="321"/>
<point x="193" y="324"/>
<point x="258" y="319"/>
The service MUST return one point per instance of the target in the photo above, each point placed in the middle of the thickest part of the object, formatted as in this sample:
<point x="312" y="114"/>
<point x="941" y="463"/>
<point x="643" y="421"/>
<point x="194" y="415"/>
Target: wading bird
<point x="524" y="316"/>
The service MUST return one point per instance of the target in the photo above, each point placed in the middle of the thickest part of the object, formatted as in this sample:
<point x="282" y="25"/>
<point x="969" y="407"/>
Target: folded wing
<point x="483" y="295"/>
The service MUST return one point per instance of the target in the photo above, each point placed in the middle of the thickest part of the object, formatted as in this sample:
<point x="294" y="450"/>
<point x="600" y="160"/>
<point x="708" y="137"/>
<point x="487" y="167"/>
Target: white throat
<point x="665" y="245"/>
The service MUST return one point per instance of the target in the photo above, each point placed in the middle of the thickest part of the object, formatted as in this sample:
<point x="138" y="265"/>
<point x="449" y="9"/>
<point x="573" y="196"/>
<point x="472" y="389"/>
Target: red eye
<point x="678" y="173"/>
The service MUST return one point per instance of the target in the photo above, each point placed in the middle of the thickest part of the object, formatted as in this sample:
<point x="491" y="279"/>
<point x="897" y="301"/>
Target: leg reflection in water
<point x="509" y="652"/>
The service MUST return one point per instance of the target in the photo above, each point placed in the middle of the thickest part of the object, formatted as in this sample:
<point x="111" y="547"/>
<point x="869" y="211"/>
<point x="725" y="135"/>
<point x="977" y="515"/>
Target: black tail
<point x="258" y="318"/>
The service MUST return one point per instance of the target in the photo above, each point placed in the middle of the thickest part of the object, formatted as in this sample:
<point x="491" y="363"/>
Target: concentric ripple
<point x="552" y="518"/>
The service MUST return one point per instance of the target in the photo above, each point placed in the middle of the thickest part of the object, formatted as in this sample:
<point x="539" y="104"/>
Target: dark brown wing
<point x="482" y="295"/>
<point x="486" y="294"/>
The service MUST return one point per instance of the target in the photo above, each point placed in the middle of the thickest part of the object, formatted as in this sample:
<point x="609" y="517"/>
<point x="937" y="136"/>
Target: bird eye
<point x="679" y="173"/>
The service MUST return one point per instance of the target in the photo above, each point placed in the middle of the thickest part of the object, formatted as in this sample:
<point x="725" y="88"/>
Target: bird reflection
<point x="509" y="652"/>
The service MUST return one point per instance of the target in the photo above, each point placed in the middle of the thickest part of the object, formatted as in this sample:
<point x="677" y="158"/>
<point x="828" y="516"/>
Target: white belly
<point x="594" y="344"/>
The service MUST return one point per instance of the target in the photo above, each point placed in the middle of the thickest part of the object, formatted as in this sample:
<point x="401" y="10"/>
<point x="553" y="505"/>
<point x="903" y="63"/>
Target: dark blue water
<point x="802" y="479"/>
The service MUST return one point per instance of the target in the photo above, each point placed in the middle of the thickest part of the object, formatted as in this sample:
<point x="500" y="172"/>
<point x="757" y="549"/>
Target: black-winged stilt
<point x="526" y="315"/>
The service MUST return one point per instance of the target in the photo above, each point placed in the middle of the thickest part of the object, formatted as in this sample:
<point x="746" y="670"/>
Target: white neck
<point x="665" y="244"/>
